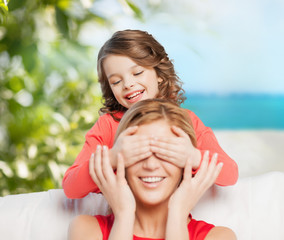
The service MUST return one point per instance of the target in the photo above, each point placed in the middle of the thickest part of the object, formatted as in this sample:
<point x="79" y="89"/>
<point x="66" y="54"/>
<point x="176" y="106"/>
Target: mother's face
<point x="153" y="180"/>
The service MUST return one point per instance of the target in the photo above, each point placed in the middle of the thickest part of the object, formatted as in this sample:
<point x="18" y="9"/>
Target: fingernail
<point x="206" y="153"/>
<point x="99" y="147"/>
<point x="104" y="147"/>
<point x="92" y="155"/>
<point x="215" y="155"/>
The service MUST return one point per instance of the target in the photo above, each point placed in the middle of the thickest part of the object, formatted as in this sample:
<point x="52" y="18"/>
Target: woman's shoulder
<point x="84" y="225"/>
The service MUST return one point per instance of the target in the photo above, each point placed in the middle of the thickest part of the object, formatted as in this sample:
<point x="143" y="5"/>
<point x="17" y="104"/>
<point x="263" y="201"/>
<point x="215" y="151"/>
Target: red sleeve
<point x="206" y="140"/>
<point x="105" y="223"/>
<point x="198" y="230"/>
<point x="77" y="182"/>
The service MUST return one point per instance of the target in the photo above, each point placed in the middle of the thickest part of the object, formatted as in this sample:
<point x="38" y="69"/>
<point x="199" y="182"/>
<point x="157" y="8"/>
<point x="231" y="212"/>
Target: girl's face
<point x="153" y="180"/>
<point x="130" y="82"/>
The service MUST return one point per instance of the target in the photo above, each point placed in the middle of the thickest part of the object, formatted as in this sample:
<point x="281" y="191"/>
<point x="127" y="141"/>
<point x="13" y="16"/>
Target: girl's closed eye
<point x="138" y="73"/>
<point x="115" y="82"/>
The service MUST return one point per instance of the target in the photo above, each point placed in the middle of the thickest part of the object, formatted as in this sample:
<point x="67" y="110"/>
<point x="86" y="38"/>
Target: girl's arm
<point x="77" y="182"/>
<point x="206" y="140"/>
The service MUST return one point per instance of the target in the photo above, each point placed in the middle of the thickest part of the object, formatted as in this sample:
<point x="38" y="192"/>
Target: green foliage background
<point x="49" y="95"/>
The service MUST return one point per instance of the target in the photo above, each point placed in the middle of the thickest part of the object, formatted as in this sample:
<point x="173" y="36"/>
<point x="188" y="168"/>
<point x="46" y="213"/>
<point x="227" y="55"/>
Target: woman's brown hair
<point x="151" y="110"/>
<point x="146" y="51"/>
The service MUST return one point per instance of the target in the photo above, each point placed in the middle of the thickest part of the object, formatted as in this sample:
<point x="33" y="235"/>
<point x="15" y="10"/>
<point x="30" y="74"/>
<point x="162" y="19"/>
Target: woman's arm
<point x="190" y="190"/>
<point x="116" y="191"/>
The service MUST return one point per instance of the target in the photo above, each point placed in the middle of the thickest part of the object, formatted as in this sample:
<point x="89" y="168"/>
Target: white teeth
<point x="152" y="179"/>
<point x="134" y="95"/>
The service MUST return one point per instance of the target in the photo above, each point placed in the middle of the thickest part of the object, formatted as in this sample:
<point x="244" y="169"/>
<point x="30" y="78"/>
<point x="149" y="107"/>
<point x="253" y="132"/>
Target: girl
<point x="133" y="66"/>
<point x="153" y="196"/>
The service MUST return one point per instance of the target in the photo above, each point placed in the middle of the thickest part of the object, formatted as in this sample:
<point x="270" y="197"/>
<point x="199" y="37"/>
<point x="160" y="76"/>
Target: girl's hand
<point x="114" y="187"/>
<point x="133" y="148"/>
<point x="191" y="188"/>
<point x="176" y="150"/>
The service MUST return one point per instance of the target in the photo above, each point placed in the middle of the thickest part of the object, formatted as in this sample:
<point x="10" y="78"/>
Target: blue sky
<point x="218" y="46"/>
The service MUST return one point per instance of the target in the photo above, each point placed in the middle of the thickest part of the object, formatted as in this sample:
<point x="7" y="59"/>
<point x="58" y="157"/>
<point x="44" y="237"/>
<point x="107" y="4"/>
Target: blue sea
<point x="238" y="111"/>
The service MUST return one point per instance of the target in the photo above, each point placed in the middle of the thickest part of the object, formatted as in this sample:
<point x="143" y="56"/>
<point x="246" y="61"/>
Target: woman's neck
<point x="150" y="221"/>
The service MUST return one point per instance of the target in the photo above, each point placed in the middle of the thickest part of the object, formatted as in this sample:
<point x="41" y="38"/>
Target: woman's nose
<point x="151" y="163"/>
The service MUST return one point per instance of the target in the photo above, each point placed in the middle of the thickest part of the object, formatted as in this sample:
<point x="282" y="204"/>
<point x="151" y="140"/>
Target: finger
<point x="95" y="157"/>
<point x="106" y="166"/>
<point x="91" y="168"/>
<point x="137" y="158"/>
<point x="98" y="165"/>
<point x="137" y="147"/>
<point x="217" y="171"/>
<point x="172" y="160"/>
<point x="133" y="145"/>
<point x="167" y="154"/>
<point x="187" y="175"/>
<point x="163" y="142"/>
<point x="120" y="169"/>
<point x="179" y="132"/>
<point x="204" y="165"/>
<point x="213" y="163"/>
<point x="212" y="167"/>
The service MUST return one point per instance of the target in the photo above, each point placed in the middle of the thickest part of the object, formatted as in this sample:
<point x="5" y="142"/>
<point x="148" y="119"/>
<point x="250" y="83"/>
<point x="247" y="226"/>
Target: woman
<point x="153" y="198"/>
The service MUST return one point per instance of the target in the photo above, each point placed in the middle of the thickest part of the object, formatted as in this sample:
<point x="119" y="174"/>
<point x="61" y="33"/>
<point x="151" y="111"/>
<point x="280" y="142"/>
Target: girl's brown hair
<point x="151" y="110"/>
<point x="146" y="51"/>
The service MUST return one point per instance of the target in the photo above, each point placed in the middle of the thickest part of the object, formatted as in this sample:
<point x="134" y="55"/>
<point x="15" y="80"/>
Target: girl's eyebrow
<point x="117" y="74"/>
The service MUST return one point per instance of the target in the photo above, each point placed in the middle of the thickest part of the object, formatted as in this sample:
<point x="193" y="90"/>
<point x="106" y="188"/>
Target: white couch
<point x="253" y="208"/>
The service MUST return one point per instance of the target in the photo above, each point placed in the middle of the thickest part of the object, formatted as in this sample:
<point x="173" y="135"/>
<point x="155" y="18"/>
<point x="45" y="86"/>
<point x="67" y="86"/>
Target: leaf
<point x="62" y="22"/>
<point x="15" y="4"/>
<point x="135" y="9"/>
<point x="29" y="55"/>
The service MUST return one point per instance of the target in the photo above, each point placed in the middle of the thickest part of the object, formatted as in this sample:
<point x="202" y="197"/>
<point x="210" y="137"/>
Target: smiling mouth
<point x="134" y="95"/>
<point x="152" y="179"/>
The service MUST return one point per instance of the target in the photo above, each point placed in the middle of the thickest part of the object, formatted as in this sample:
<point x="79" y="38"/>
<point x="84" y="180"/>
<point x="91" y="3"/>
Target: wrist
<point x="126" y="216"/>
<point x="178" y="215"/>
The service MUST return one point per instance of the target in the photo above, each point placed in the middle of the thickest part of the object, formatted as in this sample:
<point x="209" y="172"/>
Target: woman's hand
<point x="191" y="188"/>
<point x="133" y="148"/>
<point x="114" y="187"/>
<point x="176" y="150"/>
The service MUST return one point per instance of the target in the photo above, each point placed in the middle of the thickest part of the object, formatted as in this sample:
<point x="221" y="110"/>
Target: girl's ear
<point x="160" y="80"/>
